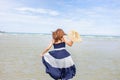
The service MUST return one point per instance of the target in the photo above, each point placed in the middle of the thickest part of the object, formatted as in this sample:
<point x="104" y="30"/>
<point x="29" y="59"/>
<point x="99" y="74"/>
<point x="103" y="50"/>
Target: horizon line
<point x="50" y="34"/>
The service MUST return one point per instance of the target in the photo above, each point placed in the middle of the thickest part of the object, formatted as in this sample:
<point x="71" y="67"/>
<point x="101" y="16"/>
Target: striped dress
<point x="58" y="63"/>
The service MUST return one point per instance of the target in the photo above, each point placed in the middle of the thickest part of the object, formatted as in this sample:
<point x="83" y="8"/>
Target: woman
<point x="58" y="62"/>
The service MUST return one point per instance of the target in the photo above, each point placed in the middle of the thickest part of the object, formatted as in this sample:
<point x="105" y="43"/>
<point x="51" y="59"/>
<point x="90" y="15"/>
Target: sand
<point x="95" y="58"/>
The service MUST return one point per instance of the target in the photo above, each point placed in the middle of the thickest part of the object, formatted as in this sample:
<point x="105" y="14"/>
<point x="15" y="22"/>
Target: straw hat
<point x="74" y="36"/>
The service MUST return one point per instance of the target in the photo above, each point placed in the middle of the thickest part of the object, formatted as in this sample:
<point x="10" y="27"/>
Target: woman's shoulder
<point x="53" y="41"/>
<point x="65" y="38"/>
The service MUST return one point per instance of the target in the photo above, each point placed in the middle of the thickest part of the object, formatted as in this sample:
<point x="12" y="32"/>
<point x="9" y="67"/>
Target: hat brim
<point x="74" y="36"/>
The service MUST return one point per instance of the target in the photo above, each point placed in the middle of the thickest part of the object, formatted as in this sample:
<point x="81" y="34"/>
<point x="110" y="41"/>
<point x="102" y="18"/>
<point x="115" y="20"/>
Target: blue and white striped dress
<point x="58" y="63"/>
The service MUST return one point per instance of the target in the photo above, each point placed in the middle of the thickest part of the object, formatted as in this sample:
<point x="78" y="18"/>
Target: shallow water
<point x="95" y="58"/>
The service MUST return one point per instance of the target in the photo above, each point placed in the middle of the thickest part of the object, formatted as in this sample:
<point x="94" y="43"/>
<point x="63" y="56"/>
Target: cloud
<point x="93" y="20"/>
<point x="38" y="11"/>
<point x="8" y="5"/>
<point x="5" y="5"/>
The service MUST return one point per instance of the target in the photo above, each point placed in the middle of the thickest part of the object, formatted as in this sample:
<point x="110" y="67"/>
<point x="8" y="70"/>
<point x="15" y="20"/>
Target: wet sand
<point x="95" y="58"/>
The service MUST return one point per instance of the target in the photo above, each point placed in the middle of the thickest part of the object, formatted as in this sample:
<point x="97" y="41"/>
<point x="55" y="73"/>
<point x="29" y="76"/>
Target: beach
<point x="95" y="58"/>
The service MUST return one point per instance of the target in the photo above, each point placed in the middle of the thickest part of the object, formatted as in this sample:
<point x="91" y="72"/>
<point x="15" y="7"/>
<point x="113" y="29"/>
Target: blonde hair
<point x="58" y="35"/>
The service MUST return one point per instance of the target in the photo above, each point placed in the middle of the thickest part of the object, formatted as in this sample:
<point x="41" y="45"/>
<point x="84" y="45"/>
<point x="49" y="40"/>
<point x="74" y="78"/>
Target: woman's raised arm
<point x="68" y="41"/>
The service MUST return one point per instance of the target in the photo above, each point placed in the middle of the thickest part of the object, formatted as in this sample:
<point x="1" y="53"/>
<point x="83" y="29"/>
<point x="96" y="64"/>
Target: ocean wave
<point x="47" y="34"/>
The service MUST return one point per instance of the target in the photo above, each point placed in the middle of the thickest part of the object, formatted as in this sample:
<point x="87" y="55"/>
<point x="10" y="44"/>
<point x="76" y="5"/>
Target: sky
<point x="88" y="17"/>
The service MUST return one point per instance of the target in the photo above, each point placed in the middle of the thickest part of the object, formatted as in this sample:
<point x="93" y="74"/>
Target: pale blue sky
<point x="96" y="17"/>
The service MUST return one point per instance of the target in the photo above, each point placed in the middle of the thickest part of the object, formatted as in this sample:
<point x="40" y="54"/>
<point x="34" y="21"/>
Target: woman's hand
<point x="47" y="49"/>
<point x="41" y="55"/>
